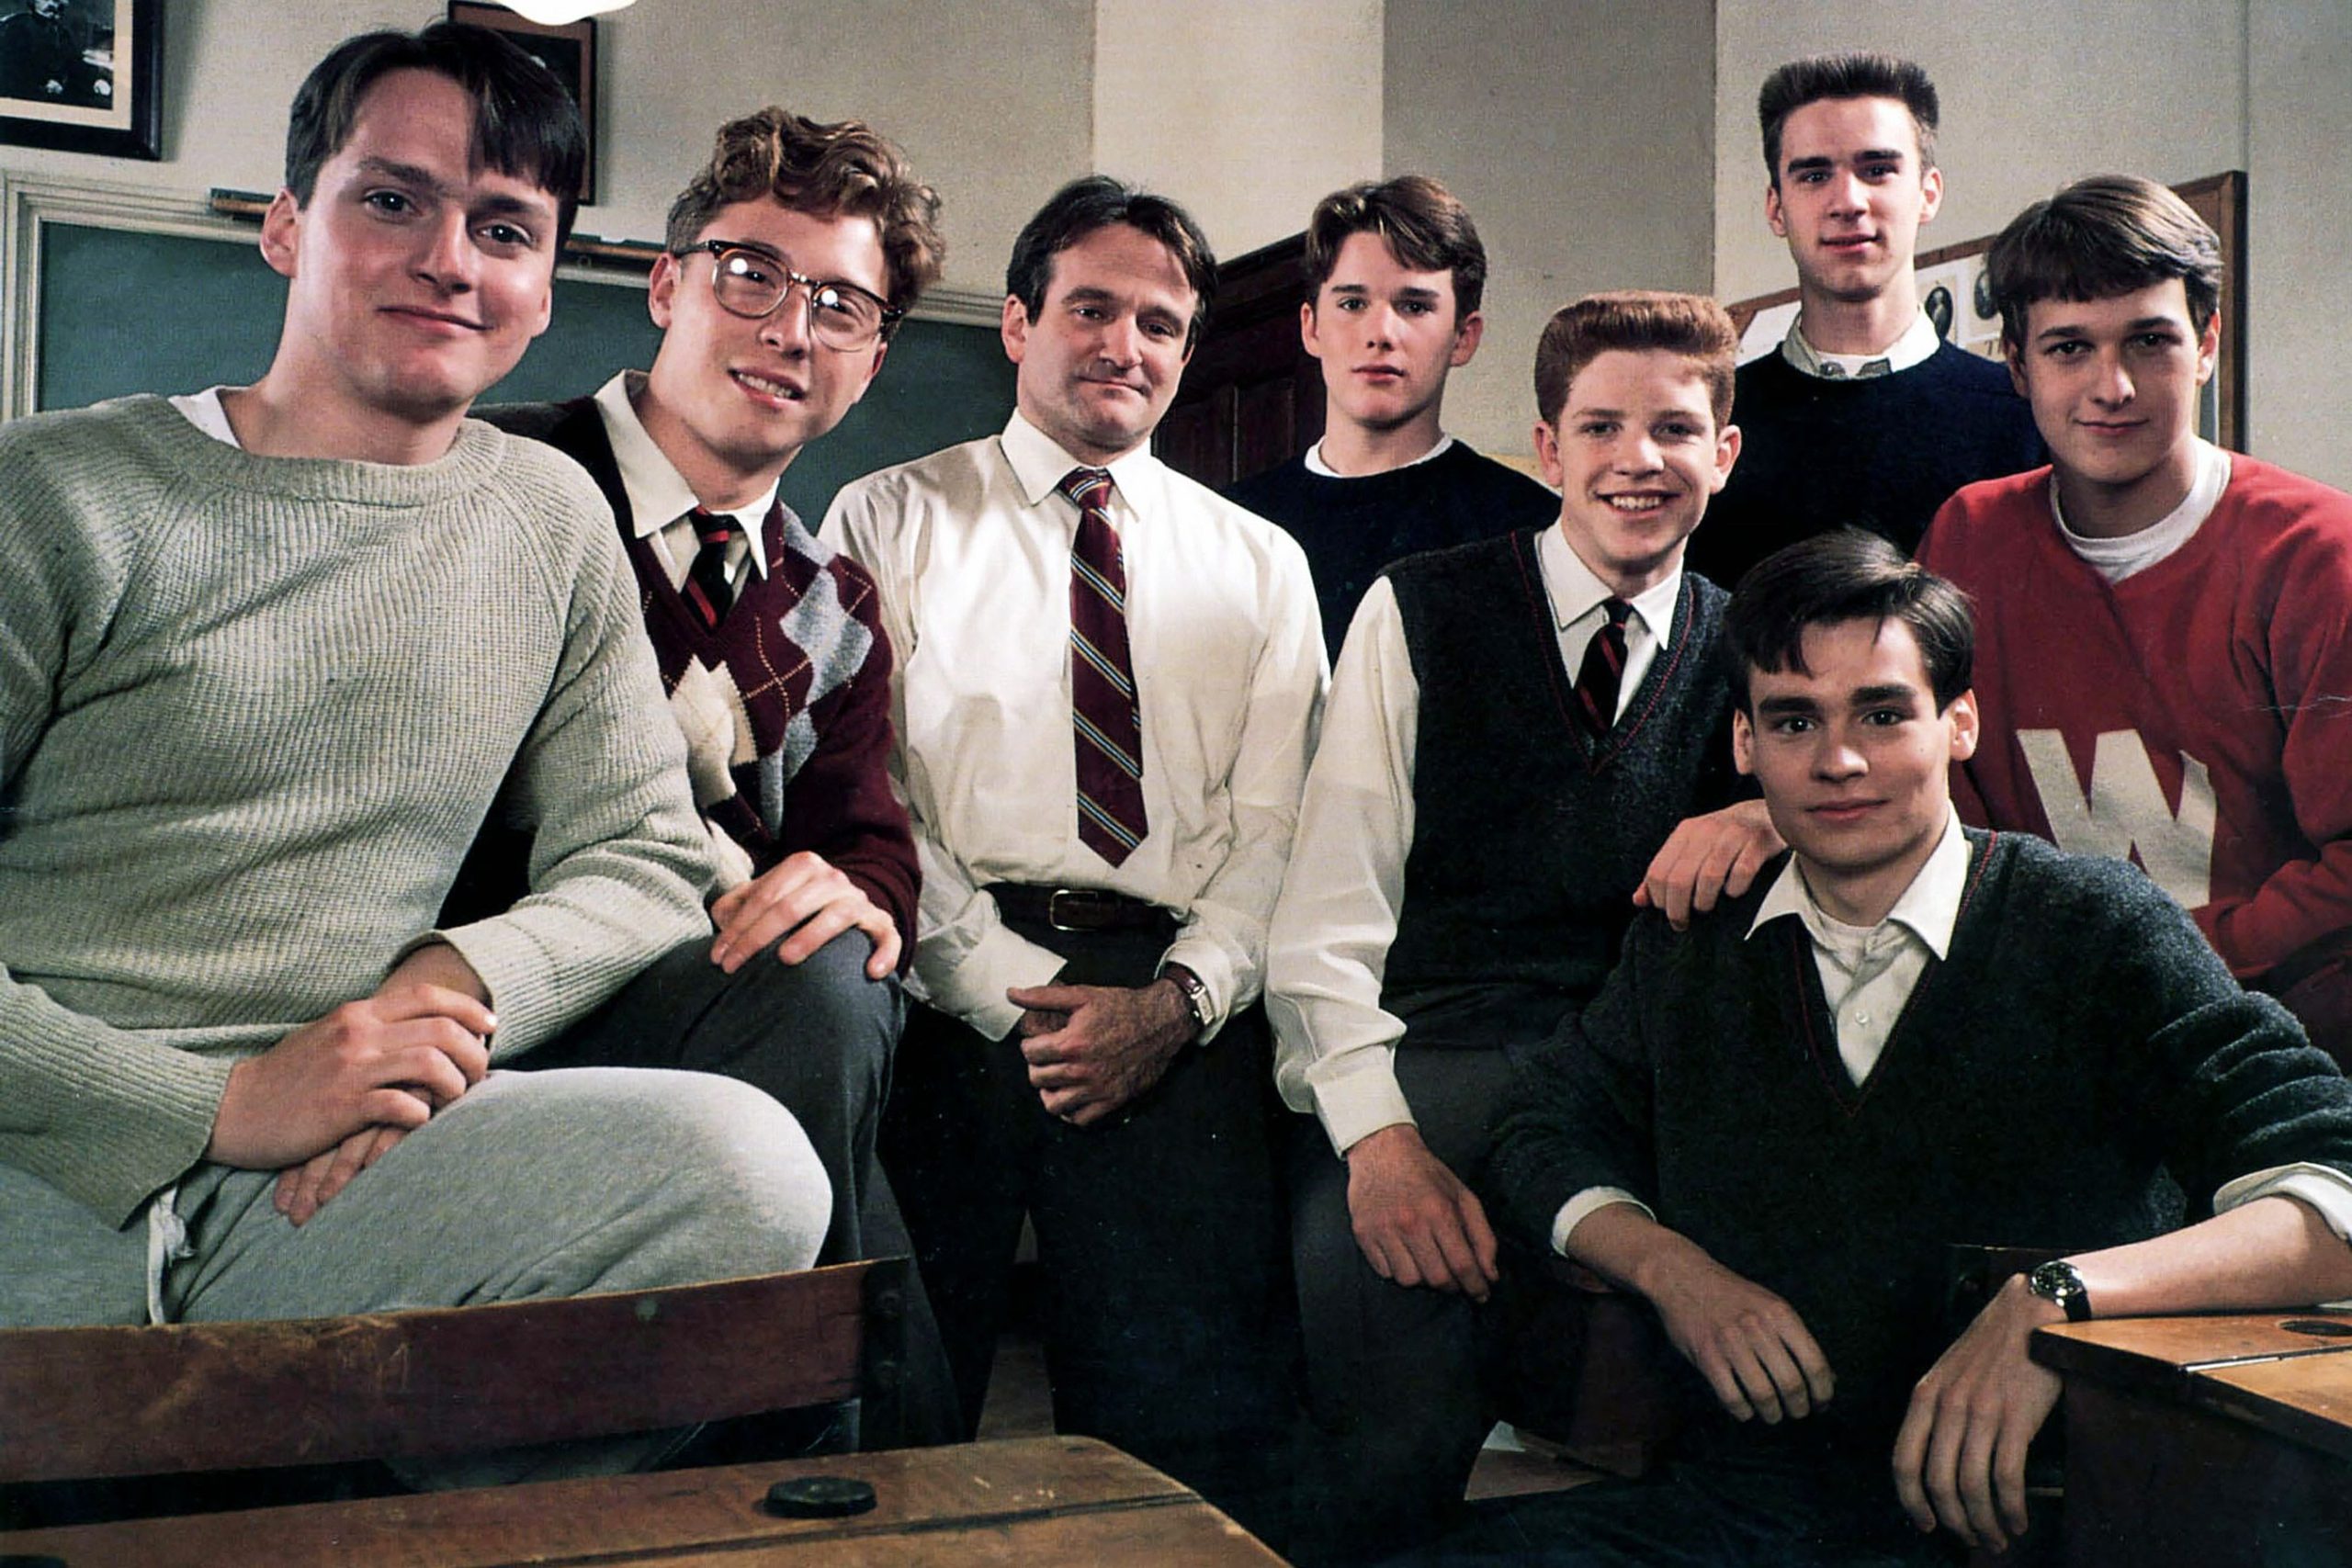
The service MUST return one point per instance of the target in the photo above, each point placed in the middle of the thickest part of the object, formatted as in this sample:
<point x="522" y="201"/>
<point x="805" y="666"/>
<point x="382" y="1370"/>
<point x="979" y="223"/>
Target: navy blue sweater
<point x="1881" y="454"/>
<point x="1351" y="529"/>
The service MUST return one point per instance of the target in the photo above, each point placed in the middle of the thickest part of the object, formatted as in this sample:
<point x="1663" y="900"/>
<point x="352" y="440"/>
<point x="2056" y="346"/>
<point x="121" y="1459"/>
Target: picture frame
<point x="568" y="48"/>
<point x="1956" y="274"/>
<point x="82" y="76"/>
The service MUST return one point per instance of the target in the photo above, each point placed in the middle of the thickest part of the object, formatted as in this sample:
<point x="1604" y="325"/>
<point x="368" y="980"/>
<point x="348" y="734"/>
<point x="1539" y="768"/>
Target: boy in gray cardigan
<point x="268" y="653"/>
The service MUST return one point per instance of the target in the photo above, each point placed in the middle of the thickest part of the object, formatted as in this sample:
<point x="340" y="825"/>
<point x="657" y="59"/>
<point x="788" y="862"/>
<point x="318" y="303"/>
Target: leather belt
<point x="1077" y="908"/>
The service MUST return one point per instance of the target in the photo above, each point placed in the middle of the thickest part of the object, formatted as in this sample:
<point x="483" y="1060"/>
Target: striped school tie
<point x="706" y="587"/>
<point x="1103" y="709"/>
<point x="1604" y="668"/>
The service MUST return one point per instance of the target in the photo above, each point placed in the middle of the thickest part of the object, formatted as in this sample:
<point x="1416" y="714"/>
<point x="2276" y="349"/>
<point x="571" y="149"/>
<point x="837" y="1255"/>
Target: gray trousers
<point x="534" y="1184"/>
<point x="1393" y="1373"/>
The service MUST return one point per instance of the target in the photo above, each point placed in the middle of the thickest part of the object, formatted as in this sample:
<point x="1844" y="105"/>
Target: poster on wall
<point x="82" y="76"/>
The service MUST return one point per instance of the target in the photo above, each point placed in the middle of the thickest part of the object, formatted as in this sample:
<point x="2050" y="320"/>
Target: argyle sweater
<point x="1350" y="528"/>
<point x="794" y="681"/>
<point x="2190" y="716"/>
<point x="2079" y="1041"/>
<point x="252" y="712"/>
<point x="1880" y="453"/>
<point x="1528" y="838"/>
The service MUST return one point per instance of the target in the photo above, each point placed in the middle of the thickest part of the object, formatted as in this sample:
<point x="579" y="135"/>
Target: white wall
<point x="990" y="100"/>
<point x="1577" y="132"/>
<point x="1247" y="112"/>
<point x="2035" y="95"/>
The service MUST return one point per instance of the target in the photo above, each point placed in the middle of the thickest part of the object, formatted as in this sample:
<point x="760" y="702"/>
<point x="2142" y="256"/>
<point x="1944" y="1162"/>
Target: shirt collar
<point x="657" y="494"/>
<point x="1039" y="464"/>
<point x="1929" y="909"/>
<point x="1576" y="591"/>
<point x="1916" y="347"/>
<point x="1317" y="465"/>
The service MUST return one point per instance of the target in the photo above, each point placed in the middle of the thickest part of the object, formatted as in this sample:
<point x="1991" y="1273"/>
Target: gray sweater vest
<point x="1528" y="838"/>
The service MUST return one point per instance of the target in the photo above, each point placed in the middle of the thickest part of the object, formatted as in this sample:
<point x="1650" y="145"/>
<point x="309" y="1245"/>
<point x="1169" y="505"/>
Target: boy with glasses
<point x="792" y="257"/>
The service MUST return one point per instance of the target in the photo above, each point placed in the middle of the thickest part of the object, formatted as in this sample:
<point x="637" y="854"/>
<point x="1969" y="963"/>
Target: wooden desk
<point x="2206" y="1441"/>
<point x="1035" y="1501"/>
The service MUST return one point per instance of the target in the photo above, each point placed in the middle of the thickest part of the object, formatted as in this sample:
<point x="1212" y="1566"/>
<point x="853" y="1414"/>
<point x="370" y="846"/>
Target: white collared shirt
<point x="2116" y="559"/>
<point x="1326" y="955"/>
<point x="1316" y="465"/>
<point x="660" y="498"/>
<point x="1867" y="974"/>
<point x="970" y="548"/>
<point x="1916" y="347"/>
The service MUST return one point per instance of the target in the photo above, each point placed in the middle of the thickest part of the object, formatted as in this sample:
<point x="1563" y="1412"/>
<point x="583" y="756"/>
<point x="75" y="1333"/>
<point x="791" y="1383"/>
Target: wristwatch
<point x="1196" y="995"/>
<point x="2057" y="1281"/>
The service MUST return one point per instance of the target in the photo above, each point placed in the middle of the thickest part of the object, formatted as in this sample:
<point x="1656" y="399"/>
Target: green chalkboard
<point x="123" y="311"/>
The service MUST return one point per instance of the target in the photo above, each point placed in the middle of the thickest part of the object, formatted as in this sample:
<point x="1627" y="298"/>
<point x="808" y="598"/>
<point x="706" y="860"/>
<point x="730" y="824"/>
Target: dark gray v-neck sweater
<point x="2080" y="1041"/>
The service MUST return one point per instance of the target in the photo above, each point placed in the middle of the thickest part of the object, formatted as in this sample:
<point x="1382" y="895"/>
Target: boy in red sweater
<point x="2164" y="655"/>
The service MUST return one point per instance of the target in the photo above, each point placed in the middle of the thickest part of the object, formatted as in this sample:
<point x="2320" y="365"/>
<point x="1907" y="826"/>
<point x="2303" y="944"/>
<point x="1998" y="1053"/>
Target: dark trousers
<point x="1696" y="1515"/>
<point x="1168" y="1324"/>
<point x="818" y="1038"/>
<point x="1394" y="1374"/>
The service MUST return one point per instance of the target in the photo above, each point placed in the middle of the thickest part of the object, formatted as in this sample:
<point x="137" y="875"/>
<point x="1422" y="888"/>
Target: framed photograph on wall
<point x="82" y="76"/>
<point x="569" y="50"/>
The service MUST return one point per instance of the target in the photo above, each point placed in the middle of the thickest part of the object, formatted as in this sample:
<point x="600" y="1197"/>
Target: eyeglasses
<point x="752" y="283"/>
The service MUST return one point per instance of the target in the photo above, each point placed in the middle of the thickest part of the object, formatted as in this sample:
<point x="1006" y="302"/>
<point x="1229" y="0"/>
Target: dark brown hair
<point x="1847" y="575"/>
<point x="2102" y="236"/>
<point x="525" y="125"/>
<point x="1855" y="74"/>
<point x="1095" y="202"/>
<point x="1424" y="227"/>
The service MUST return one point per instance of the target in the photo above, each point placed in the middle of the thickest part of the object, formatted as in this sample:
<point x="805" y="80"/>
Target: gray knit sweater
<point x="252" y="712"/>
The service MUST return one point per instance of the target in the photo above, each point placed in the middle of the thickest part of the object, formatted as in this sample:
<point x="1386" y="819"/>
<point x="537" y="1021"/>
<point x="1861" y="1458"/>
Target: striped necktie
<point x="1604" y="668"/>
<point x="1103" y="708"/>
<point x="706" y="587"/>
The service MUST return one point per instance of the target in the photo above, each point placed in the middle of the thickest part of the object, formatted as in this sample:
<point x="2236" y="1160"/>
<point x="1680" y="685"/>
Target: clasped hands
<point x="1958" y="1458"/>
<point x="1093" y="1049"/>
<point x="331" y="1098"/>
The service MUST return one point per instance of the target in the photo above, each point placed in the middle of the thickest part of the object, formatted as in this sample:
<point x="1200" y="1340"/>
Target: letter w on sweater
<point x="2120" y="810"/>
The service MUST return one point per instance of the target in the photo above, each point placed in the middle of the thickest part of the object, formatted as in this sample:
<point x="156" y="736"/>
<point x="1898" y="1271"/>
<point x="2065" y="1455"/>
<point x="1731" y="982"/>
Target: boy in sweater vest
<point x="270" y="652"/>
<point x="1394" y="273"/>
<point x="1464" y="868"/>
<point x="1770" y="1125"/>
<point x="1864" y="414"/>
<point x="792" y="257"/>
<point x="2165" y="654"/>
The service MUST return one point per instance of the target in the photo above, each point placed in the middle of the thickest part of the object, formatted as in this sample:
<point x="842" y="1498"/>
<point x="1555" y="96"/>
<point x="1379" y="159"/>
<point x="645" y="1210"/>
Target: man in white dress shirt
<point x="1105" y="701"/>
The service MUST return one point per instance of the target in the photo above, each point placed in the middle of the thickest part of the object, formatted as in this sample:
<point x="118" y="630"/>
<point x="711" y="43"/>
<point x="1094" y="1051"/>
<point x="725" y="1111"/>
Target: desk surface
<point x="2159" y="1355"/>
<point x="1035" y="1501"/>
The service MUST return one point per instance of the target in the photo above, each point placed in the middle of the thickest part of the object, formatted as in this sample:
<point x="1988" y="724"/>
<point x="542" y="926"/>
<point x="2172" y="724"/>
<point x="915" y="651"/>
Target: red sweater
<point x="2196" y="717"/>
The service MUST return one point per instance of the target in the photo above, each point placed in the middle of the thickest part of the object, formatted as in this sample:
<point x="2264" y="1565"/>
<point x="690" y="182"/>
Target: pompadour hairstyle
<point x="2105" y="235"/>
<point x="1636" y="319"/>
<point x="1847" y="575"/>
<point x="524" y="126"/>
<point x="1424" y="226"/>
<point x="1097" y="201"/>
<point x="1855" y="74"/>
<point x="839" y="170"/>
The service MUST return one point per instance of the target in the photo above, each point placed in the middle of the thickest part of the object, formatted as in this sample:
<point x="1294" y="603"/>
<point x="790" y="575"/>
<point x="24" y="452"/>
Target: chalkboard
<point x="124" y="310"/>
